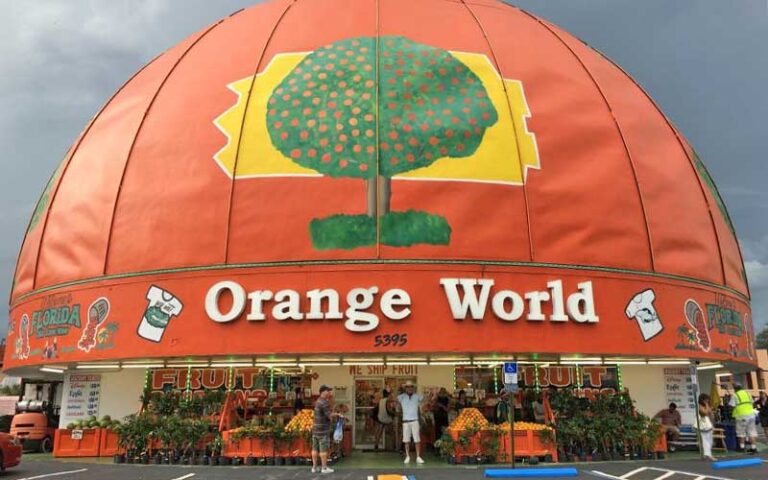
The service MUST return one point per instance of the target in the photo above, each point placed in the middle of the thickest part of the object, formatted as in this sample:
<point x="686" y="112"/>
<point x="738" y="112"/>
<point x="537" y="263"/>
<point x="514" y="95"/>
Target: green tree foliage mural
<point x="346" y="111"/>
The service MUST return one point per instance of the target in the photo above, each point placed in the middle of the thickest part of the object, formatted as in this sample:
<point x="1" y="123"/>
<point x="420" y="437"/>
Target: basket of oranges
<point x="301" y="422"/>
<point x="469" y="419"/>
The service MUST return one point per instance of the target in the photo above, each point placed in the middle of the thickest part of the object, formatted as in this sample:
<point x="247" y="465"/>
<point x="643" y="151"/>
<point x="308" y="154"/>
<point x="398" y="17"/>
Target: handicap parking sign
<point x="510" y="376"/>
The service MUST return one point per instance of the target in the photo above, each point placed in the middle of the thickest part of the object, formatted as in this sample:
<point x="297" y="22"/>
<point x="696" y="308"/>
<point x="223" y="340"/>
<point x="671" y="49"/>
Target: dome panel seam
<point x="65" y="168"/>
<point x="242" y="127"/>
<point x="138" y="133"/>
<point x="511" y="113"/>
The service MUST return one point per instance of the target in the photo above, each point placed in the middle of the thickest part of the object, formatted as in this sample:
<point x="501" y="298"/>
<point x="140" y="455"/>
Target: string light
<point x="536" y="383"/>
<point x="188" y="387"/>
<point x="619" y="382"/>
<point x="496" y="380"/>
<point x="231" y="379"/>
<point x="271" y="380"/>
<point x="579" y="381"/>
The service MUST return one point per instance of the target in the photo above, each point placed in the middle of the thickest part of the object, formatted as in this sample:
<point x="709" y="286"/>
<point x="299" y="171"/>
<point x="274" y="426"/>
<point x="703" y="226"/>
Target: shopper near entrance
<point x="670" y="421"/>
<point x="298" y="403"/>
<point x="502" y="408"/>
<point x="761" y="404"/>
<point x="462" y="402"/>
<point x="410" y="402"/>
<point x="384" y="413"/>
<point x="321" y="430"/>
<point x="706" y="428"/>
<point x="539" y="414"/>
<point x="440" y="411"/>
<point x="744" y="415"/>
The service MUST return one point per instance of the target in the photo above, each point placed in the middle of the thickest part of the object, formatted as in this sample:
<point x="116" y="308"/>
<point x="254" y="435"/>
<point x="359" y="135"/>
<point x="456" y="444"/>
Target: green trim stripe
<point x="308" y="263"/>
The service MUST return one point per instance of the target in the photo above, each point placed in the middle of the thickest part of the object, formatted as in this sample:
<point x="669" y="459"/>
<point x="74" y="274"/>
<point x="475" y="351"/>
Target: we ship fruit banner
<point x="359" y="309"/>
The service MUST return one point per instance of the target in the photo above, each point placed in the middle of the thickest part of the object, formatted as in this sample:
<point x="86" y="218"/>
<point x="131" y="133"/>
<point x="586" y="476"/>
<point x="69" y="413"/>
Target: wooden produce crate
<point x="243" y="447"/>
<point x="472" y="449"/>
<point x="76" y="443"/>
<point x="528" y="443"/>
<point x="109" y="443"/>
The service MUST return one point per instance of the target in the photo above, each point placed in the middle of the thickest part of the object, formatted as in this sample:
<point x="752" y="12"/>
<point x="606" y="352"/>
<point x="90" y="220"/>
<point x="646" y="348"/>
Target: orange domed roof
<point x="496" y="136"/>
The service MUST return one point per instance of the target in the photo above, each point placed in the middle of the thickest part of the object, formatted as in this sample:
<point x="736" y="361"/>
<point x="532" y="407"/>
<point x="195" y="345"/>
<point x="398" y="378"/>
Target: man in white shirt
<point x="410" y="402"/>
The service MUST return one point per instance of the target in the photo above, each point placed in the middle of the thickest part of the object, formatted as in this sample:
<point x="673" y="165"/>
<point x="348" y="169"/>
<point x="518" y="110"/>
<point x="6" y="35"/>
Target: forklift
<point x="37" y="414"/>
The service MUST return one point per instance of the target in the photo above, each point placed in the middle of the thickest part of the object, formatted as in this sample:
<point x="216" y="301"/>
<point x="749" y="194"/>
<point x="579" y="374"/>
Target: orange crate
<point x="109" y="443"/>
<point x="301" y="447"/>
<point x="528" y="443"/>
<point x="255" y="447"/>
<point x="65" y="446"/>
<point x="470" y="450"/>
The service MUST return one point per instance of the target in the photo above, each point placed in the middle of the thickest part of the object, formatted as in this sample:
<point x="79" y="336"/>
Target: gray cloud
<point x="704" y="62"/>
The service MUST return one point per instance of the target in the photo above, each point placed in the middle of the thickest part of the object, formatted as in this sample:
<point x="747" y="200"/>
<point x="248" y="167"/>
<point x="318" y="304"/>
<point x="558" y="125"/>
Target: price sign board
<point x="83" y="397"/>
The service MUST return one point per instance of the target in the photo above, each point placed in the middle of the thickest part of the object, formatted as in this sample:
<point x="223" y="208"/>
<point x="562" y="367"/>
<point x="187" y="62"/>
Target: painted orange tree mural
<point x="346" y="111"/>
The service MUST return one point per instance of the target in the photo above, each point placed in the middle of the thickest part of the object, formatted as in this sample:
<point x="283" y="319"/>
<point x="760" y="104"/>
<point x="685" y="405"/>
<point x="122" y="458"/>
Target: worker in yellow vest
<point x="744" y="414"/>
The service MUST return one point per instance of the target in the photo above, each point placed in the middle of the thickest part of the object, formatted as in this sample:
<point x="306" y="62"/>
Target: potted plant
<point x="447" y="448"/>
<point x="490" y="444"/>
<point x="191" y="432"/>
<point x="134" y="435"/>
<point x="464" y="441"/>
<point x="215" y="447"/>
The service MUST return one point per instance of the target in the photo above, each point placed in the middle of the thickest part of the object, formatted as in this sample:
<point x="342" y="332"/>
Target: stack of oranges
<point x="525" y="426"/>
<point x="469" y="418"/>
<point x="301" y="422"/>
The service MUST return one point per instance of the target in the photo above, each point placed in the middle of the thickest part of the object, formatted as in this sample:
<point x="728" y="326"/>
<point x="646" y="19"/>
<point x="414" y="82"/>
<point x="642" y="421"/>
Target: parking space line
<point x="55" y="474"/>
<point x="637" y="470"/>
<point x="189" y="475"/>
<point x="604" y="475"/>
<point x="665" y="473"/>
<point x="668" y="474"/>
<point x="691" y="474"/>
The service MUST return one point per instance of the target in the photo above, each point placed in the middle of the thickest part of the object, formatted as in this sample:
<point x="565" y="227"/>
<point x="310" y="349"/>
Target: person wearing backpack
<point x="382" y="416"/>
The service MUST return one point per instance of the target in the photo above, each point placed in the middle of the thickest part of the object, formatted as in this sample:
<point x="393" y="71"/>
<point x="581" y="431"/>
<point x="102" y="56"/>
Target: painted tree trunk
<point x="379" y="193"/>
<point x="373" y="196"/>
<point x="385" y="189"/>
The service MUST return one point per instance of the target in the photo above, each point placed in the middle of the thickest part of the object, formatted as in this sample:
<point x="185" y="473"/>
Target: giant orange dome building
<point x="385" y="181"/>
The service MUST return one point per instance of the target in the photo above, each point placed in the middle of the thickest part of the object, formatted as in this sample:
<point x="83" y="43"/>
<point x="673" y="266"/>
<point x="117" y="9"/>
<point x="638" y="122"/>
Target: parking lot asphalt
<point x="45" y="468"/>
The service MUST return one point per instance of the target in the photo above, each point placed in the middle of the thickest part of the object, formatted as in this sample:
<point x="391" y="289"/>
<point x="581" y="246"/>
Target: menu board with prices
<point x="679" y="386"/>
<point x="84" y="396"/>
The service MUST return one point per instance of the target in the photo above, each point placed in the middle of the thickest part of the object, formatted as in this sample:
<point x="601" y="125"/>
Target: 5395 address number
<point x="394" y="340"/>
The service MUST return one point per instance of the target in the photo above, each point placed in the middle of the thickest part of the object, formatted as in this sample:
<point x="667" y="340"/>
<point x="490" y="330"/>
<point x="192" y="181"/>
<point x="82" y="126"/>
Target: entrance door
<point x="365" y="390"/>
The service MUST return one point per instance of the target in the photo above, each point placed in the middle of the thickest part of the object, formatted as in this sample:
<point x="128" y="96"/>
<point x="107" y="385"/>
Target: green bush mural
<point x="324" y="116"/>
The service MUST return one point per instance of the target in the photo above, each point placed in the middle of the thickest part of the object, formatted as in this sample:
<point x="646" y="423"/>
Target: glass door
<point x="365" y="427"/>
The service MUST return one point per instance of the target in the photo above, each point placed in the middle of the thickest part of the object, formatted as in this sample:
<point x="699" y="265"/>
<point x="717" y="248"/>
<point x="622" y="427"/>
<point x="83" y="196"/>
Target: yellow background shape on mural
<point x="508" y="149"/>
